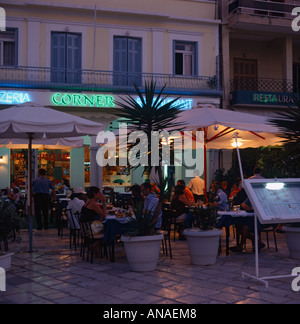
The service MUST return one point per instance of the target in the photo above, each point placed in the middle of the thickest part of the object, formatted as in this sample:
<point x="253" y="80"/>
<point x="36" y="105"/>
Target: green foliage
<point x="288" y="121"/>
<point x="143" y="221"/>
<point x="204" y="218"/>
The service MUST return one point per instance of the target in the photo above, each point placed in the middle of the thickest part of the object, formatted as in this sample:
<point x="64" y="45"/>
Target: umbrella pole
<point x="239" y="157"/>
<point x="205" y="172"/>
<point x="29" y="192"/>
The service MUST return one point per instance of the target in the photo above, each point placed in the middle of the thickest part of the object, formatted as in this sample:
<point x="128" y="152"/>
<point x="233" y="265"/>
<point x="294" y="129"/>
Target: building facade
<point x="261" y="55"/>
<point x="80" y="57"/>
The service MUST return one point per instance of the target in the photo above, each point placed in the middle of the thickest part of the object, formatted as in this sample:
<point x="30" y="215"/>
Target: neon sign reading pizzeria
<point x="83" y="100"/>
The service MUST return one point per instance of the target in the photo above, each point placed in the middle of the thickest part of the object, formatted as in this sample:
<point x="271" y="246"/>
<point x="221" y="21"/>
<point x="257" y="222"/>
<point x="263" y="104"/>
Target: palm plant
<point x="289" y="122"/>
<point x="153" y="113"/>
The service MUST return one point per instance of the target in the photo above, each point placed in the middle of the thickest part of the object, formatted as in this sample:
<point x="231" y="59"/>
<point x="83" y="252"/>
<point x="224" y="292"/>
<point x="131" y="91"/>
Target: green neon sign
<point x="83" y="100"/>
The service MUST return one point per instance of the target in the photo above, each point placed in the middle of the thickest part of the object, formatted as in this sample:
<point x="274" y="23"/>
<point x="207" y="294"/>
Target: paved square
<point x="54" y="274"/>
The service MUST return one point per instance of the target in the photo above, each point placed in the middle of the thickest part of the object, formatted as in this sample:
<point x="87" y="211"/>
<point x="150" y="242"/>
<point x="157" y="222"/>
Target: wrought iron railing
<point x="104" y="81"/>
<point x="258" y="7"/>
<point x="266" y="85"/>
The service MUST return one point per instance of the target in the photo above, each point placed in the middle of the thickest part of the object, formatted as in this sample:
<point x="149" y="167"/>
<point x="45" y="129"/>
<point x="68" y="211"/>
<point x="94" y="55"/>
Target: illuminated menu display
<point x="275" y="201"/>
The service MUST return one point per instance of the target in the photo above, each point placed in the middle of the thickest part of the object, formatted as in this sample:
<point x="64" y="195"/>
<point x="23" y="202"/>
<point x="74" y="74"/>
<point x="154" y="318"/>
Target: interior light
<point x="275" y="186"/>
<point x="1" y="159"/>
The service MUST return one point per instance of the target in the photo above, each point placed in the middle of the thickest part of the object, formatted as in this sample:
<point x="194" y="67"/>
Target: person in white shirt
<point x="196" y="185"/>
<point x="75" y="204"/>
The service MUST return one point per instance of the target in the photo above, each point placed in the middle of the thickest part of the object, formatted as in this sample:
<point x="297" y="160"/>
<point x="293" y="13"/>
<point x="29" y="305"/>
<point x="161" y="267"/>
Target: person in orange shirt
<point x="189" y="195"/>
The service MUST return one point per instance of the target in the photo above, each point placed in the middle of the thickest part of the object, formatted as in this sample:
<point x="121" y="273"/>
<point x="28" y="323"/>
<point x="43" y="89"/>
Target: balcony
<point x="271" y="15"/>
<point x="261" y="92"/>
<point x="104" y="81"/>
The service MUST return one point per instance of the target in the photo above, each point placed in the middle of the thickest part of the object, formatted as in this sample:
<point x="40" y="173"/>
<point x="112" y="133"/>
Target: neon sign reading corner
<point x="83" y="100"/>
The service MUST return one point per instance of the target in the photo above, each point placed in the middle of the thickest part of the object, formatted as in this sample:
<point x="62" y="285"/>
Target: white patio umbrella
<point x="34" y="122"/>
<point x="48" y="144"/>
<point x="226" y="129"/>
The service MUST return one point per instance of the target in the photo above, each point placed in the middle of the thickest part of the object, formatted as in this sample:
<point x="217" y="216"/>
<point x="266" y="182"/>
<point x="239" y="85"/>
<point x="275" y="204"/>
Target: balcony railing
<point x="264" y="8"/>
<point x="262" y="85"/>
<point x="104" y="81"/>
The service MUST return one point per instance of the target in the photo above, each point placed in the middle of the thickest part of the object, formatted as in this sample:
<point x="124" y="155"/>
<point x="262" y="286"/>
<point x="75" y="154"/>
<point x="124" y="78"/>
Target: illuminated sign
<point x="272" y="98"/>
<point x="184" y="103"/>
<point x="249" y="98"/>
<point x="83" y="100"/>
<point x="13" y="98"/>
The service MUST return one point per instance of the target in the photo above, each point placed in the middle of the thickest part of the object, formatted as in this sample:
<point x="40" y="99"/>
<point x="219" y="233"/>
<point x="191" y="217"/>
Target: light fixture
<point x="275" y="186"/>
<point x="237" y="141"/>
<point x="1" y="159"/>
<point x="237" y="144"/>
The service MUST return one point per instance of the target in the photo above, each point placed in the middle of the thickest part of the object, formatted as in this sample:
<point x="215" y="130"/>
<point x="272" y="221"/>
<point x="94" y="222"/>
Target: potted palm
<point x="143" y="245"/>
<point x="288" y="122"/>
<point x="203" y="238"/>
<point x="8" y="221"/>
<point x="151" y="113"/>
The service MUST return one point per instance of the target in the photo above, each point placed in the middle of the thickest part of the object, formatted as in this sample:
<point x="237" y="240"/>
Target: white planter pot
<point x="292" y="235"/>
<point x="142" y="251"/>
<point x="203" y="245"/>
<point x="5" y="261"/>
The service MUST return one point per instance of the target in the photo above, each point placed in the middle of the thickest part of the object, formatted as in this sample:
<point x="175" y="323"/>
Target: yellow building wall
<point x="170" y="19"/>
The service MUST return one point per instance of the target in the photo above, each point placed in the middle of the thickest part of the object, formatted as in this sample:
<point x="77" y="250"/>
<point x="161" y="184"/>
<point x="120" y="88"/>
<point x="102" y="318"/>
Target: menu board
<point x="275" y="201"/>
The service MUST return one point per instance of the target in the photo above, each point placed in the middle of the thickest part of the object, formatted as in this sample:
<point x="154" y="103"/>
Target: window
<point x="127" y="60"/>
<point x="245" y="74"/>
<point x="185" y="58"/>
<point x="296" y="77"/>
<point x="66" y="58"/>
<point x="8" y="47"/>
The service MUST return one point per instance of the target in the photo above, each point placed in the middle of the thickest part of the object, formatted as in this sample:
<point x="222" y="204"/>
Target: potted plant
<point x="143" y="245"/>
<point x="150" y="113"/>
<point x="292" y="234"/>
<point x="8" y="221"/>
<point x="203" y="238"/>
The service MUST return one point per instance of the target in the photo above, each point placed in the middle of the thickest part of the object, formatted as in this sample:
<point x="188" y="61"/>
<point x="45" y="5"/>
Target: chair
<point x="267" y="229"/>
<point x="21" y="207"/>
<point x="167" y="217"/>
<point x="89" y="239"/>
<point x="74" y="226"/>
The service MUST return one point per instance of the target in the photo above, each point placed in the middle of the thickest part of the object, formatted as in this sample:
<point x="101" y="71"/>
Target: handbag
<point x="97" y="227"/>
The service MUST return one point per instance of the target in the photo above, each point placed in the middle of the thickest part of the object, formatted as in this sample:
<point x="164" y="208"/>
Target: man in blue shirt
<point x="41" y="190"/>
<point x="220" y="197"/>
<point x="151" y="202"/>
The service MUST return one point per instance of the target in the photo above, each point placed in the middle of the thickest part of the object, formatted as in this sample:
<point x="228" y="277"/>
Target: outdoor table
<point x="229" y="218"/>
<point x="116" y="226"/>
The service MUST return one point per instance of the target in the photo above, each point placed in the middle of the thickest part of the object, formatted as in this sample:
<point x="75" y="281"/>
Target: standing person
<point x="196" y="185"/>
<point x="41" y="187"/>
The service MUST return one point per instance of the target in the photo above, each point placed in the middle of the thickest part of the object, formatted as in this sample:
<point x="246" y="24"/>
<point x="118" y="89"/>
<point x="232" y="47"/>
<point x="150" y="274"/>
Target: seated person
<point x="76" y="204"/>
<point x="151" y="202"/>
<point x="220" y="199"/>
<point x="187" y="191"/>
<point x="246" y="229"/>
<point x="92" y="210"/>
<point x="136" y="197"/>
<point x="14" y="195"/>
<point x="180" y="203"/>
<point x="235" y="190"/>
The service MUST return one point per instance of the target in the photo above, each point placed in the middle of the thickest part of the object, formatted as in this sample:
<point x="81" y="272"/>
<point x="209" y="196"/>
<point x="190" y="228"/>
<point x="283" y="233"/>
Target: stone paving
<point x="55" y="274"/>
